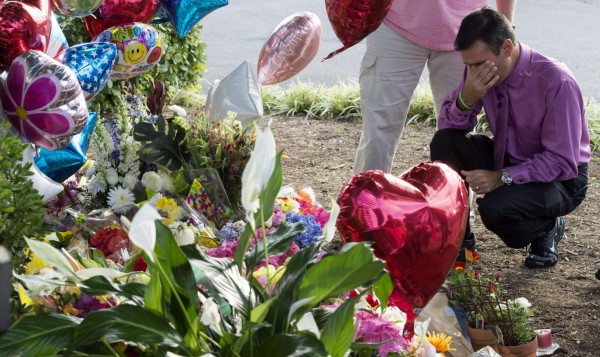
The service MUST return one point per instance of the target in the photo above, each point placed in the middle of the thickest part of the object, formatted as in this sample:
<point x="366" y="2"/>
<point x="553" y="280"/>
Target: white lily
<point x="257" y="172"/>
<point x="210" y="315"/>
<point x="329" y="229"/>
<point x="143" y="230"/>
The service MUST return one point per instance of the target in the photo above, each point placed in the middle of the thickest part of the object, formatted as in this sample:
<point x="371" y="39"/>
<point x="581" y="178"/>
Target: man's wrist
<point x="462" y="104"/>
<point x="505" y="177"/>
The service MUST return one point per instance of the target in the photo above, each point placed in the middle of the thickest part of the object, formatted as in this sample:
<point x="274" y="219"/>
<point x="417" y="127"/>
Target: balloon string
<point x="409" y="326"/>
<point x="334" y="53"/>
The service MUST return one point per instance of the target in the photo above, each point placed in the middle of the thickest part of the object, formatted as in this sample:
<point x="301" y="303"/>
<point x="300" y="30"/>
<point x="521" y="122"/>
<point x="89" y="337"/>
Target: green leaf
<point x="299" y="345"/>
<point x="339" y="273"/>
<point x="338" y="332"/>
<point x="278" y="243"/>
<point x="269" y="194"/>
<point x="126" y="323"/>
<point x="99" y="285"/>
<point x="176" y="272"/>
<point x="153" y="297"/>
<point x="383" y="289"/>
<point x="168" y="147"/>
<point x="258" y="314"/>
<point x="222" y="275"/>
<point x="144" y="131"/>
<point x="38" y="335"/>
<point x="286" y="287"/>
<point x="243" y="245"/>
<point x="52" y="256"/>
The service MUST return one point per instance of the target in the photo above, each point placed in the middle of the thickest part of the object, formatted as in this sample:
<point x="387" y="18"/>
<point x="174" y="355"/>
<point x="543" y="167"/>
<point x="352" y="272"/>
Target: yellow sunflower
<point x="440" y="341"/>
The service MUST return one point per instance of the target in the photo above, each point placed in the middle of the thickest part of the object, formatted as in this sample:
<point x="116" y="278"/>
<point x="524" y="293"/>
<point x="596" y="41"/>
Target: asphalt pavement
<point x="564" y="29"/>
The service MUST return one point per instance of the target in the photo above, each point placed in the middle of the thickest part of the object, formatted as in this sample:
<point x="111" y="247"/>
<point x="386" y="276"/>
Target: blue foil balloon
<point x="184" y="14"/>
<point x="93" y="64"/>
<point x="60" y="164"/>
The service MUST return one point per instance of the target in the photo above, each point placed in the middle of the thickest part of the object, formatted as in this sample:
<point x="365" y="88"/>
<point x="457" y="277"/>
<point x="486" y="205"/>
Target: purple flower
<point x="87" y="304"/>
<point x="373" y="328"/>
<point x="229" y="232"/>
<point x="226" y="250"/>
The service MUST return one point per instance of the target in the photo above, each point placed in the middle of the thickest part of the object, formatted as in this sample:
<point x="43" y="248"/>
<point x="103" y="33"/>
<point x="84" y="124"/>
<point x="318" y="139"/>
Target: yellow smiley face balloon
<point x="139" y="48"/>
<point x="135" y="52"/>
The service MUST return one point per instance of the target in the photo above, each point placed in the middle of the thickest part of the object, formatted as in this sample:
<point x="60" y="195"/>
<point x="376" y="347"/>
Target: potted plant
<point x="492" y="320"/>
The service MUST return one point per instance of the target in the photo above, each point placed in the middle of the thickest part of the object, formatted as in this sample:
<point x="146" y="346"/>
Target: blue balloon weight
<point x="184" y="14"/>
<point x="93" y="64"/>
<point x="60" y="164"/>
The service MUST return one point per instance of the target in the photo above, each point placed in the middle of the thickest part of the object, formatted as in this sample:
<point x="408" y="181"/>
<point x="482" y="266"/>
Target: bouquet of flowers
<point x="223" y="145"/>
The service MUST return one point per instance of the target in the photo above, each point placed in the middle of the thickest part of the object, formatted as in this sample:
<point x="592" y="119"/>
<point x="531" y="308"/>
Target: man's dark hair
<point x="485" y="25"/>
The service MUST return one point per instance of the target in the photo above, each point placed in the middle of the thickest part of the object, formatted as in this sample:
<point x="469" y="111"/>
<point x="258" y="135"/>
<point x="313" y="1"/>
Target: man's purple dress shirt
<point x="546" y="132"/>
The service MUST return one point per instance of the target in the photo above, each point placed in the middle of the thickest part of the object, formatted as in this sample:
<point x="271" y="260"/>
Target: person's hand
<point x="480" y="78"/>
<point x="483" y="181"/>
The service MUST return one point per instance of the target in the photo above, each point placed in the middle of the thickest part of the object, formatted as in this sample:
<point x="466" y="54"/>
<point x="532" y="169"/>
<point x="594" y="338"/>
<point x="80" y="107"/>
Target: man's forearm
<point x="507" y="8"/>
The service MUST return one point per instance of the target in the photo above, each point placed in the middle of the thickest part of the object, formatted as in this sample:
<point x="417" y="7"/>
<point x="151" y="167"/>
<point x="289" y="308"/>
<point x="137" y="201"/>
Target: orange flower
<point x="459" y="267"/>
<point x="472" y="256"/>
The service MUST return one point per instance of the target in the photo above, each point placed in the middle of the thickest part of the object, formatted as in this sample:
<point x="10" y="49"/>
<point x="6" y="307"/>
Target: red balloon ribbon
<point x="417" y="222"/>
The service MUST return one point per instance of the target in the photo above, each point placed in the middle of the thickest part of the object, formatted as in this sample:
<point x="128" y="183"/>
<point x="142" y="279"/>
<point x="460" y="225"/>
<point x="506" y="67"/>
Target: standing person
<point x="414" y="33"/>
<point x="534" y="171"/>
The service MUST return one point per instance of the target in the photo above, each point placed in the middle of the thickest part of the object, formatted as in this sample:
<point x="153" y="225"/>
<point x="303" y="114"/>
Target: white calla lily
<point x="143" y="229"/>
<point x="257" y="172"/>
<point x="329" y="229"/>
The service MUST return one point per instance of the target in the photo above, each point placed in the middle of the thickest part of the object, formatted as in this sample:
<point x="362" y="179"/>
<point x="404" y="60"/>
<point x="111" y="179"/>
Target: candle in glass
<point x="544" y="337"/>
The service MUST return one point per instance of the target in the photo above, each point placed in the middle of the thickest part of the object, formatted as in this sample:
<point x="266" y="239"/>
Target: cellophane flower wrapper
<point x="208" y="197"/>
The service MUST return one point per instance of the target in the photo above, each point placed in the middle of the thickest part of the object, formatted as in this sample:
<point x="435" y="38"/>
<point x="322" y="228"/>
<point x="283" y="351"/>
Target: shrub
<point x="181" y="66"/>
<point x="21" y="207"/>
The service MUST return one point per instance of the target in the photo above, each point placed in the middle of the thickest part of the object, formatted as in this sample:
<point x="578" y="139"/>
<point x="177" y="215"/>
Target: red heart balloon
<point x="24" y="25"/>
<point x="353" y="20"/>
<point x="417" y="223"/>
<point x="120" y="12"/>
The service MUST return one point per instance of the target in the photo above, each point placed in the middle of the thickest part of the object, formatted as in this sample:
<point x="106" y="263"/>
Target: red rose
<point x="110" y="240"/>
<point x="140" y="264"/>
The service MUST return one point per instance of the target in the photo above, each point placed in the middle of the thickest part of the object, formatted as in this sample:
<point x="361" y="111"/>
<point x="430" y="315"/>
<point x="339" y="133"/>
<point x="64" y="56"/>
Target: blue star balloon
<point x="60" y="164"/>
<point x="93" y="64"/>
<point x="184" y="14"/>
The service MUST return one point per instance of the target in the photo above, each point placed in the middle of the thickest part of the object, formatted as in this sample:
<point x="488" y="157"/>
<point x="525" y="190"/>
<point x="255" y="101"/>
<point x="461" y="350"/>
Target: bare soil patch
<point x="320" y="154"/>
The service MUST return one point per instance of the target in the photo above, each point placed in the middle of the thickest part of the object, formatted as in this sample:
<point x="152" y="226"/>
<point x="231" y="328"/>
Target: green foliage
<point x="21" y="207"/>
<point x="165" y="145"/>
<point x="592" y="111"/>
<point x="38" y="335"/>
<point x="421" y="109"/>
<point x="181" y="66"/>
<point x="194" y="304"/>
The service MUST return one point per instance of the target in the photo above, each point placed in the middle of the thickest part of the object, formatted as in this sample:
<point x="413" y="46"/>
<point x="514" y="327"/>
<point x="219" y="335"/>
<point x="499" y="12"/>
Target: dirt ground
<point x="567" y="297"/>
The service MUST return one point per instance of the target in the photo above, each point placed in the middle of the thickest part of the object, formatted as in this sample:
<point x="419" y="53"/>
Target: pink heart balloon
<point x="289" y="48"/>
<point x="417" y="222"/>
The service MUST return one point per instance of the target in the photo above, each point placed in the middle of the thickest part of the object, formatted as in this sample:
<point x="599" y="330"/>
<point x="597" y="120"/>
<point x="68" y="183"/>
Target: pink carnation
<point x="373" y="328"/>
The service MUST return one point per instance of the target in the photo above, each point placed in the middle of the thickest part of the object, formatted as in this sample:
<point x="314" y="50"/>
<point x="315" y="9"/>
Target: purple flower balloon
<point x="43" y="100"/>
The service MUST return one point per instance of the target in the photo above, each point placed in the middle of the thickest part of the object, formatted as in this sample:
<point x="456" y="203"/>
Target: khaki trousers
<point x="390" y="71"/>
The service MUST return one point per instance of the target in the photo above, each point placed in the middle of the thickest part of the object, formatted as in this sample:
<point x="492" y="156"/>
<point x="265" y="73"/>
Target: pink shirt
<point x="431" y="23"/>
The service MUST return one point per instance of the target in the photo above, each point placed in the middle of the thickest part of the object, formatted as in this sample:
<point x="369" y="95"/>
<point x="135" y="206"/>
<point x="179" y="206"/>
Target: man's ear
<point x="507" y="47"/>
